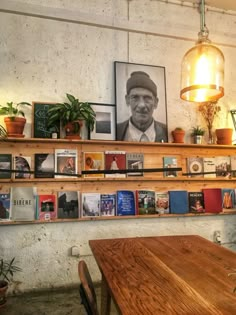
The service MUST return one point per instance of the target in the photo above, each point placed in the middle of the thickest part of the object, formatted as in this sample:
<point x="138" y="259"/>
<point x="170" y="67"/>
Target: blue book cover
<point x="228" y="198"/>
<point x="178" y="201"/>
<point x="125" y="202"/>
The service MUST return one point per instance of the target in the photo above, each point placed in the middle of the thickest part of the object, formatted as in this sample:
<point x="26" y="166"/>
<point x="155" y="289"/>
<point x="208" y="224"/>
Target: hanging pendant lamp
<point x="202" y="68"/>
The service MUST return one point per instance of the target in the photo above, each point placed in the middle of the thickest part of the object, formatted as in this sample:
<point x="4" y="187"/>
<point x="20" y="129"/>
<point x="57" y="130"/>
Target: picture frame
<point x="39" y="126"/>
<point x="105" y="125"/>
<point x="156" y="74"/>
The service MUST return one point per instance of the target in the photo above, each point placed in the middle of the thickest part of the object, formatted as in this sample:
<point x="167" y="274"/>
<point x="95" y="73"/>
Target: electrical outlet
<point x="217" y="237"/>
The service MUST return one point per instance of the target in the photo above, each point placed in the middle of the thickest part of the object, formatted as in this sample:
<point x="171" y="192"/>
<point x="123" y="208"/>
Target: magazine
<point x="66" y="163"/>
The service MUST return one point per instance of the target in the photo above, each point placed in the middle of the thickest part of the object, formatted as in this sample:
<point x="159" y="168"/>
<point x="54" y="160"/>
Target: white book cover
<point x="162" y="202"/>
<point x="23" y="203"/>
<point x="135" y="161"/>
<point x="90" y="204"/>
<point x="23" y="165"/>
<point x="209" y="165"/>
<point x="66" y="163"/>
<point x="222" y="166"/>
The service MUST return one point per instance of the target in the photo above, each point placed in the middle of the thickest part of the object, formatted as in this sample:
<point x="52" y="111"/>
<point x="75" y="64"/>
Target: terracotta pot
<point x="224" y="135"/>
<point x="71" y="132"/>
<point x="3" y="291"/>
<point x="15" y="126"/>
<point x="178" y="136"/>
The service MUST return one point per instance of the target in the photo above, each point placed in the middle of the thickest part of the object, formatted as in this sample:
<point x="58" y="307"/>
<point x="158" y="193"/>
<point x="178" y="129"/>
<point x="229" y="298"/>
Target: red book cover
<point x="46" y="207"/>
<point x="212" y="199"/>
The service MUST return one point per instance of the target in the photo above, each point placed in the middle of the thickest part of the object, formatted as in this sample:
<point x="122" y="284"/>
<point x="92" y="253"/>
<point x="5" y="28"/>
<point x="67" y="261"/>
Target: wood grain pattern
<point x="167" y="275"/>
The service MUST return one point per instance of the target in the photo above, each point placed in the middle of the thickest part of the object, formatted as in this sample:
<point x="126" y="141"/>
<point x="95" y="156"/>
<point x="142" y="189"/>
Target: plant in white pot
<point x="197" y="134"/>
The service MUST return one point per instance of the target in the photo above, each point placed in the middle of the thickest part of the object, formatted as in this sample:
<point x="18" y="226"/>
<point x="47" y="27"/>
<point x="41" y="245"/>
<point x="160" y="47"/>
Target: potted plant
<point x="178" y="135"/>
<point x="15" y="118"/>
<point x="197" y="134"/>
<point x="72" y="114"/>
<point x="7" y="270"/>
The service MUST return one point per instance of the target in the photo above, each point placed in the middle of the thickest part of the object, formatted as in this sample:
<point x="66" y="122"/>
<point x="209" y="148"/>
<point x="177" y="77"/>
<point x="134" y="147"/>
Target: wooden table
<point x="186" y="275"/>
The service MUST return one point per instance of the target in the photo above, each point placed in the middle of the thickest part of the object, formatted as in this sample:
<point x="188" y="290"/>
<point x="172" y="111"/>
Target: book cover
<point x="125" y="202"/>
<point x="222" y="166"/>
<point x="212" y="199"/>
<point x="66" y="163"/>
<point x="170" y="162"/>
<point x="23" y="203"/>
<point x="44" y="165"/>
<point x="90" y="204"/>
<point x="135" y="161"/>
<point x="209" y="165"/>
<point x="22" y="165"/>
<point x="162" y="202"/>
<point x="5" y="206"/>
<point x="115" y="160"/>
<point x="195" y="166"/>
<point x="5" y="164"/>
<point x="178" y="201"/>
<point x="145" y="202"/>
<point x="228" y="198"/>
<point x="68" y="204"/>
<point x="108" y="204"/>
<point x="46" y="207"/>
<point x="196" y="202"/>
<point x="233" y="165"/>
<point x="93" y="161"/>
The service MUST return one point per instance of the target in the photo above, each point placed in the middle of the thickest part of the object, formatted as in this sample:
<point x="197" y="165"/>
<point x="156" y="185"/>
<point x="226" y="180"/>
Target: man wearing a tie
<point x="142" y="99"/>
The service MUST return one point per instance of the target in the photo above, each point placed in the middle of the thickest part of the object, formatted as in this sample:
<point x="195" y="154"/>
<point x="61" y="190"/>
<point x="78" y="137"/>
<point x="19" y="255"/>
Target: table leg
<point x="105" y="298"/>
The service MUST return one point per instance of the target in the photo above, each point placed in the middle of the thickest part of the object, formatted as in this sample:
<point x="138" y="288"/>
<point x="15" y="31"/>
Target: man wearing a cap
<point x="142" y="98"/>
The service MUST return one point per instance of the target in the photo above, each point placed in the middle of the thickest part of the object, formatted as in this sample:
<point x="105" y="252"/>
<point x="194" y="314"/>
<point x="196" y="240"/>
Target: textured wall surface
<point x="49" y="48"/>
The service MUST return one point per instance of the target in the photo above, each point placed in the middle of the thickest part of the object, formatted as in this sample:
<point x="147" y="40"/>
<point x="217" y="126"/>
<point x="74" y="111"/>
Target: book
<point x="22" y="165"/>
<point x="93" y="161"/>
<point x="222" y="166"/>
<point x="170" y="162"/>
<point x="115" y="160"/>
<point x="196" y="202"/>
<point x="4" y="206"/>
<point x="162" y="202"/>
<point x="125" y="202"/>
<point x="233" y="165"/>
<point x="46" y="207"/>
<point x="212" y="199"/>
<point x="23" y="203"/>
<point x="68" y="204"/>
<point x="228" y="198"/>
<point x="108" y="204"/>
<point x="209" y="165"/>
<point x="5" y="164"/>
<point x="66" y="163"/>
<point x="195" y="166"/>
<point x="90" y="204"/>
<point x="134" y="161"/>
<point x="44" y="165"/>
<point x="178" y="201"/>
<point x="145" y="202"/>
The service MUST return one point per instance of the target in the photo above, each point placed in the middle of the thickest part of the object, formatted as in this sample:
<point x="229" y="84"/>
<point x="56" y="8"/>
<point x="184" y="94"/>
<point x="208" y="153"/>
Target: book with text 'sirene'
<point x="162" y="202"/>
<point x="170" y="162"/>
<point x="145" y="202"/>
<point x="4" y="207"/>
<point x="212" y="199"/>
<point x="222" y="166"/>
<point x="23" y="203"/>
<point x="228" y="198"/>
<point x="108" y="204"/>
<point x="5" y="164"/>
<point x="23" y="165"/>
<point x="209" y="166"/>
<point x="68" y="204"/>
<point x="66" y="163"/>
<point x="46" y="207"/>
<point x="125" y="202"/>
<point x="135" y="161"/>
<point x="93" y="161"/>
<point x="196" y="202"/>
<point x="90" y="204"/>
<point x="178" y="201"/>
<point x="115" y="160"/>
<point x="195" y="166"/>
<point x="44" y="165"/>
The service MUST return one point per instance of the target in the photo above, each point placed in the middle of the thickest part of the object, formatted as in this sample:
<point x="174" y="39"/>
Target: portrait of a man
<point x="140" y="103"/>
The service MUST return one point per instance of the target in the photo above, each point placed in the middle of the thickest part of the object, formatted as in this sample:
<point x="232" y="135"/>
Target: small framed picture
<point x="105" y="125"/>
<point x="141" y="112"/>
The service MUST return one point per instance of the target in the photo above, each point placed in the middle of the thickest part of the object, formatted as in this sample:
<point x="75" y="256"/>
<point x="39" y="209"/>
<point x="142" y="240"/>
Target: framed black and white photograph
<point x="141" y="111"/>
<point x="105" y="124"/>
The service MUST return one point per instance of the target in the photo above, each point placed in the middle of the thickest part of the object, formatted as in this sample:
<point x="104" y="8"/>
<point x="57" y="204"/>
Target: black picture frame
<point x="105" y="124"/>
<point x="157" y="74"/>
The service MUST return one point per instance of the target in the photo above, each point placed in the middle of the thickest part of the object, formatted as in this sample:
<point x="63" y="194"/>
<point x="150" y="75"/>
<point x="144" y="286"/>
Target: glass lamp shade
<point x="202" y="73"/>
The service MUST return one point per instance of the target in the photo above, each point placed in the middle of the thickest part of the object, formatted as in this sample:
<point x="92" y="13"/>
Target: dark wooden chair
<point x="87" y="291"/>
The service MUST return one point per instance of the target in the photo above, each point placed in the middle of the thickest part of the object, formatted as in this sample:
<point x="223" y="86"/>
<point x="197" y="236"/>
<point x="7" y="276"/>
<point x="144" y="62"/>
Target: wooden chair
<point x="87" y="291"/>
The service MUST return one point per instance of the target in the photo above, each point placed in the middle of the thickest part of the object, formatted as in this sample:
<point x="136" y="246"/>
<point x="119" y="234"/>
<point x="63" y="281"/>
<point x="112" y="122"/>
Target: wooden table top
<point x="167" y="275"/>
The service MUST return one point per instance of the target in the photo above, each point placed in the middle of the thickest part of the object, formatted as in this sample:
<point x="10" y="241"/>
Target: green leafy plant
<point x="7" y="269"/>
<point x="197" y="131"/>
<point x="72" y="111"/>
<point x="13" y="110"/>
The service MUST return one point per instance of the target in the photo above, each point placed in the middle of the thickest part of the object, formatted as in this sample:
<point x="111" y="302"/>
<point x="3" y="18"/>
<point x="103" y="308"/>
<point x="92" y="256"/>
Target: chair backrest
<point x="87" y="291"/>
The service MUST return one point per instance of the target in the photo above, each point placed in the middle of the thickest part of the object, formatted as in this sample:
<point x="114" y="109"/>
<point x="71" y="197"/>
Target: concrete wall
<point x="49" y="48"/>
